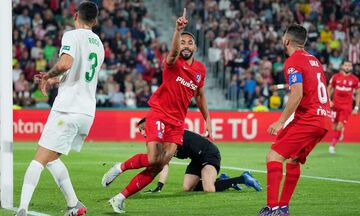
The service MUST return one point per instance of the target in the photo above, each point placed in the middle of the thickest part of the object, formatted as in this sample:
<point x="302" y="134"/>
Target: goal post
<point x="6" y="103"/>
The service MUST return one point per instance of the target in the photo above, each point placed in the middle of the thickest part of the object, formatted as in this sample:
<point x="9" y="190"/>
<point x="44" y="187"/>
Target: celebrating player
<point x="204" y="167"/>
<point x="72" y="114"/>
<point x="183" y="78"/>
<point x="309" y="100"/>
<point x="341" y="87"/>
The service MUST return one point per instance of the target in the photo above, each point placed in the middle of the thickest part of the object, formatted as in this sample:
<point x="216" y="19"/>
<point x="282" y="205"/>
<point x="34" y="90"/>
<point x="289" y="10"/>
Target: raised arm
<point x="181" y="23"/>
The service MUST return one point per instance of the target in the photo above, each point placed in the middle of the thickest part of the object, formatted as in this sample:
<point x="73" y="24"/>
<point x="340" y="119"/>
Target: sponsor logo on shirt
<point x="293" y="79"/>
<point x="198" y="77"/>
<point x="65" y="47"/>
<point x="291" y="70"/>
<point x="189" y="84"/>
<point x="323" y="112"/>
<point x="314" y="63"/>
<point x="343" y="88"/>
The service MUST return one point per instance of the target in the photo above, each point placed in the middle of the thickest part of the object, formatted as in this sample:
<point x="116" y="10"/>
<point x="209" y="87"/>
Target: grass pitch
<point x="311" y="197"/>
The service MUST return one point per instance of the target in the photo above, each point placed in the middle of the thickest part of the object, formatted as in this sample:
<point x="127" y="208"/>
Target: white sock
<point x="120" y="196"/>
<point x="61" y="176"/>
<point x="118" y="168"/>
<point x="31" y="179"/>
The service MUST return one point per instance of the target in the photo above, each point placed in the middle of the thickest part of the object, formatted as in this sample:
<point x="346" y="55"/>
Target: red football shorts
<point x="160" y="130"/>
<point x="341" y="115"/>
<point x="298" y="140"/>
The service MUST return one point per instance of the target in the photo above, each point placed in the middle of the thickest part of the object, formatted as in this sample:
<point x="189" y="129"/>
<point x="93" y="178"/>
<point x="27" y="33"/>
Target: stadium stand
<point x="242" y="41"/>
<point x="239" y="40"/>
<point x="132" y="50"/>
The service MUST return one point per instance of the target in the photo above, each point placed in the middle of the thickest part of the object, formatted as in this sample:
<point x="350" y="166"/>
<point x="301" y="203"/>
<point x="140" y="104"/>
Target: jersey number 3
<point x="321" y="90"/>
<point x="94" y="63"/>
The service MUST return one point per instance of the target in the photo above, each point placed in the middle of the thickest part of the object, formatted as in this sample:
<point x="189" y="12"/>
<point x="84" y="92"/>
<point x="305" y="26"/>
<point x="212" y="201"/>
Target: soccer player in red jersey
<point x="308" y="98"/>
<point x="183" y="78"/>
<point x="341" y="89"/>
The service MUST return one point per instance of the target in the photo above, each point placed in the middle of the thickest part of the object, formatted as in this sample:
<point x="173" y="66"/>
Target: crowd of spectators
<point x="131" y="71"/>
<point x="245" y="37"/>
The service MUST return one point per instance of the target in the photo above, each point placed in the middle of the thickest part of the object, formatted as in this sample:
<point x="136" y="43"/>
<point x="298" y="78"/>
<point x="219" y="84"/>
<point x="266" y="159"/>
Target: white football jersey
<point x="77" y="86"/>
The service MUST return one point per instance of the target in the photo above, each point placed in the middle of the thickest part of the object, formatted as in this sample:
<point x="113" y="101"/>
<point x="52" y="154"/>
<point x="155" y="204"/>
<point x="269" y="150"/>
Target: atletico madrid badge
<point x="198" y="77"/>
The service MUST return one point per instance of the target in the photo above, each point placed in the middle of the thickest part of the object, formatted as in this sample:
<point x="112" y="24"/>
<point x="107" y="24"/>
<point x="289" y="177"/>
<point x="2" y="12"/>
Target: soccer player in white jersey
<point x="72" y="114"/>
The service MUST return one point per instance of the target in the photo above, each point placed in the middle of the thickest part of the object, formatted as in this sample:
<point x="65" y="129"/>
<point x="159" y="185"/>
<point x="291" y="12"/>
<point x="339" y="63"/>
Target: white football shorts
<point x="65" y="131"/>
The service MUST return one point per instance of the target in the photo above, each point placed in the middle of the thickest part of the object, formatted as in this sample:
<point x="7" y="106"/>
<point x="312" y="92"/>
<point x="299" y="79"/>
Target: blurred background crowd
<point x="241" y="46"/>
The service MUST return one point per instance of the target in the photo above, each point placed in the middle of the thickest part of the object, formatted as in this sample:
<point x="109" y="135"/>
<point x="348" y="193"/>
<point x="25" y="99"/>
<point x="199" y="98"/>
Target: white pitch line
<point x="34" y="213"/>
<point x="262" y="171"/>
<point x="223" y="167"/>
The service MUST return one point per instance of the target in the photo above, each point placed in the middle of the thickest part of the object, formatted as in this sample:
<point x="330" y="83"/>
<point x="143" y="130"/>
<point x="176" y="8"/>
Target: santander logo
<point x="187" y="84"/>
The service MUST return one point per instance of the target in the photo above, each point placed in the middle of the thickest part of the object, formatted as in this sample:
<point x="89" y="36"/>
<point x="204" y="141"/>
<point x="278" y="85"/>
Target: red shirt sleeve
<point x="357" y="84"/>
<point x="290" y="68"/>
<point x="203" y="75"/>
<point x="332" y="81"/>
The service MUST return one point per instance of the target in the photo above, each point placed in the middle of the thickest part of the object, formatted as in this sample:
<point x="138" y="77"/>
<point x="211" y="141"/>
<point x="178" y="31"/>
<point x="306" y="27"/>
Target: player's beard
<point x="347" y="71"/>
<point x="285" y="52"/>
<point x="187" y="56"/>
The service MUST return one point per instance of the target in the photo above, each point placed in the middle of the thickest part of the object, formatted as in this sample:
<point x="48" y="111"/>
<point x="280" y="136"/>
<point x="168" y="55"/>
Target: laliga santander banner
<point x="120" y="125"/>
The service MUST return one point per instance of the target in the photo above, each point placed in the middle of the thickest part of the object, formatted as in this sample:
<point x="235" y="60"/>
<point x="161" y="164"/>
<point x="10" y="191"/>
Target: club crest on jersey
<point x="350" y="82"/>
<point x="198" y="77"/>
<point x="291" y="70"/>
<point x="293" y="79"/>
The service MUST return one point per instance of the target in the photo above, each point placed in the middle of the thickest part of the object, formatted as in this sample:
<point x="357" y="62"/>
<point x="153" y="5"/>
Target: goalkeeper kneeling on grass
<point x="201" y="173"/>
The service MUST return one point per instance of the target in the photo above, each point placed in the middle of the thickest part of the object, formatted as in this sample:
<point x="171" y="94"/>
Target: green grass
<point x="312" y="197"/>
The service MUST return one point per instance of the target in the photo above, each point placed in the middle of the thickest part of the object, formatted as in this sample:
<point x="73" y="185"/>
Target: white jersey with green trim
<point x="77" y="86"/>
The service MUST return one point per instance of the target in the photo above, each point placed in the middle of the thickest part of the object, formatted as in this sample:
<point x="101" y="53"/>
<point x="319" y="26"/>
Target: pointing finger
<point x="184" y="13"/>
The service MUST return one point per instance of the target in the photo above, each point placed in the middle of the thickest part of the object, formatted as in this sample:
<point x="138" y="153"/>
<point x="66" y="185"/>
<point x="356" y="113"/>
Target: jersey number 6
<point x="321" y="90"/>
<point x="94" y="62"/>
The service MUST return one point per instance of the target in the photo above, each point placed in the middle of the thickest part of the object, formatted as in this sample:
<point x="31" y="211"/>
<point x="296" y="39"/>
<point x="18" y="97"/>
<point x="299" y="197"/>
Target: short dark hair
<point x="345" y="60"/>
<point x="88" y="11"/>
<point x="141" y="121"/>
<point x="188" y="33"/>
<point x="297" y="33"/>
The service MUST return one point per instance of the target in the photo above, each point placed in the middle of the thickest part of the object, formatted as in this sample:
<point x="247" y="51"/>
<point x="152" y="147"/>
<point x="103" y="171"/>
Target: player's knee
<point x="209" y="188"/>
<point x="274" y="156"/>
<point x="340" y="126"/>
<point x="155" y="162"/>
<point x="269" y="157"/>
<point x="187" y="188"/>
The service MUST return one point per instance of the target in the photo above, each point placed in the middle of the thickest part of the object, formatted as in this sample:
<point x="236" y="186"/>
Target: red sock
<point x="135" y="162"/>
<point x="291" y="179"/>
<point x="138" y="182"/>
<point x="336" y="137"/>
<point x="274" y="176"/>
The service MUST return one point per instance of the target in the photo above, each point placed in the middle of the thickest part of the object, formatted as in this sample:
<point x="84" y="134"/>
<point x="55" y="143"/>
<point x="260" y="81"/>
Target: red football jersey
<point x="180" y="81"/>
<point x="314" y="107"/>
<point x="344" y="86"/>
